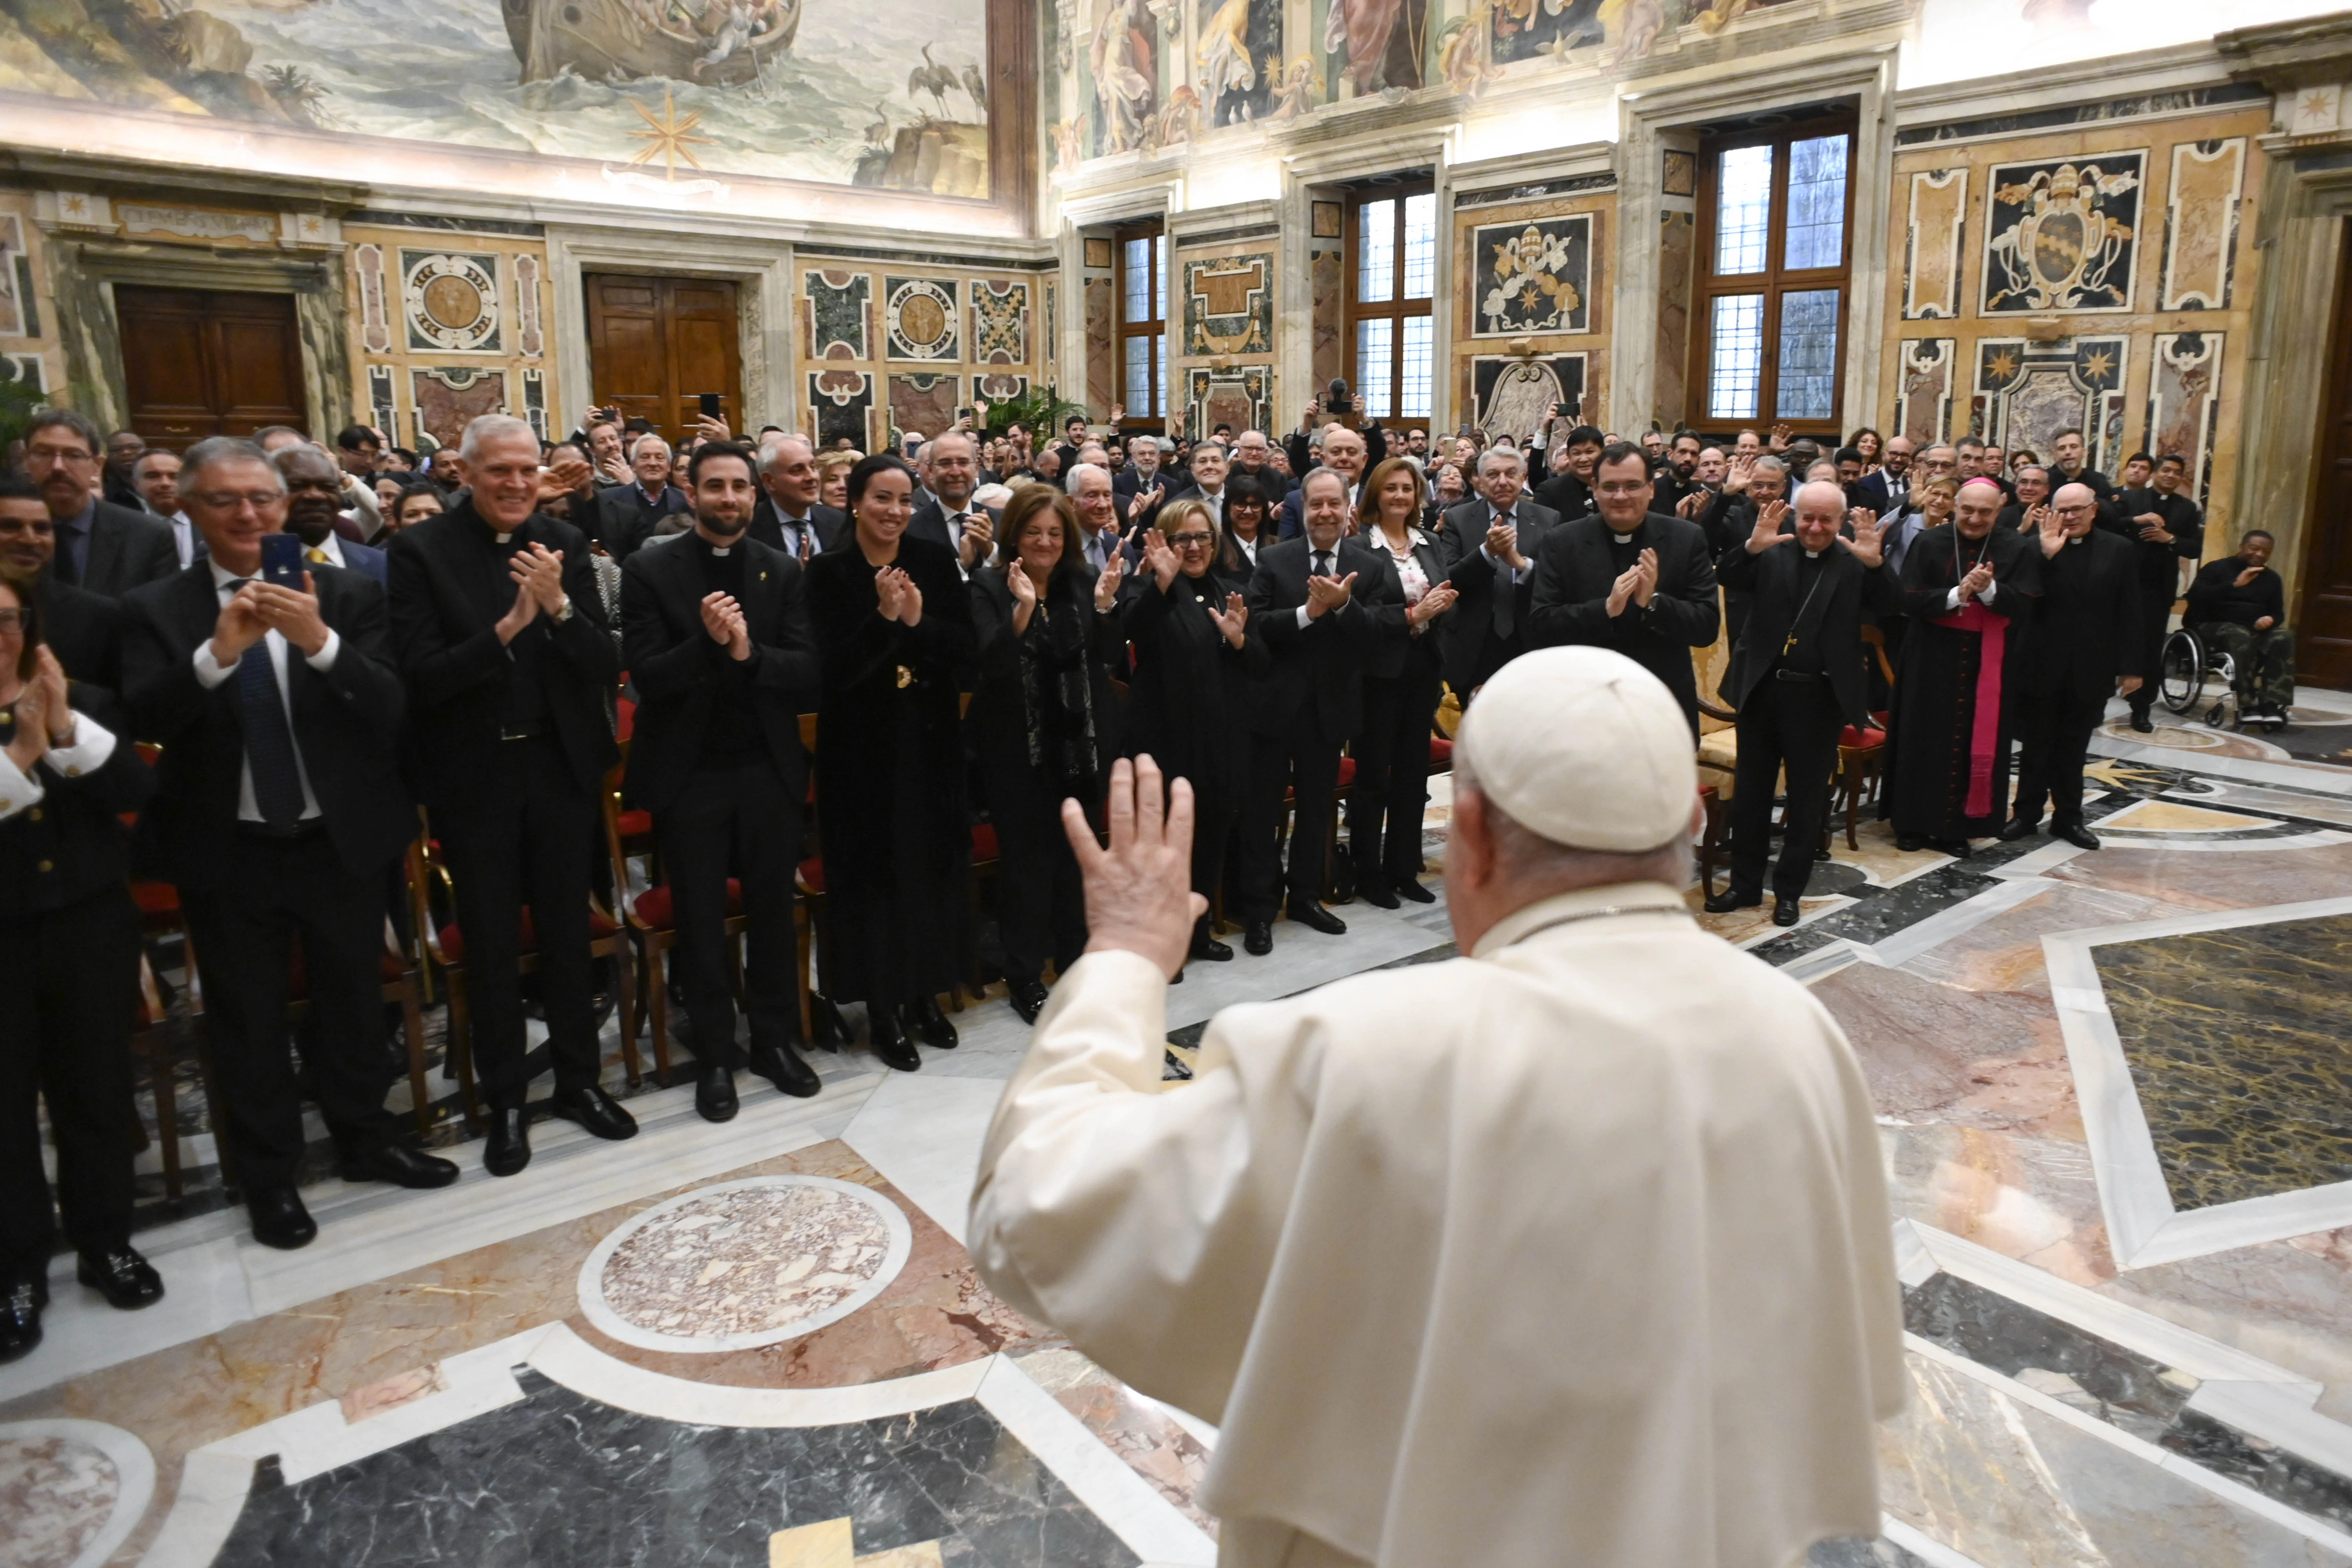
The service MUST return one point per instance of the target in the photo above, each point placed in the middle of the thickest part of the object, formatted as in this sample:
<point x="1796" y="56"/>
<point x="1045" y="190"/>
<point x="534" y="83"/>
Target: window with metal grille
<point x="1143" y="323"/>
<point x="1392" y="278"/>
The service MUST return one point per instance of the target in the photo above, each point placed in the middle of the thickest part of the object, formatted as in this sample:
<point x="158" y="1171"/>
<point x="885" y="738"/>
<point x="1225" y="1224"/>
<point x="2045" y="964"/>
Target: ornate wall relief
<point x="2027" y="393"/>
<point x="835" y="311"/>
<point x="449" y="301"/>
<point x="2201" y="223"/>
<point x="1532" y="277"/>
<point x="2184" y="393"/>
<point x="1931" y="256"/>
<point x="1511" y="397"/>
<point x="1923" y="401"/>
<point x="923" y="318"/>
<point x="2061" y="234"/>
<point x="1000" y="321"/>
<point x="1229" y="305"/>
<point x="1242" y="398"/>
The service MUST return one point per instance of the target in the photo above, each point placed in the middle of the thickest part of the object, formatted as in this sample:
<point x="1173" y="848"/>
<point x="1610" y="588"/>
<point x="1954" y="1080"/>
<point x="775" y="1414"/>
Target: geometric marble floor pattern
<point x="763" y="1343"/>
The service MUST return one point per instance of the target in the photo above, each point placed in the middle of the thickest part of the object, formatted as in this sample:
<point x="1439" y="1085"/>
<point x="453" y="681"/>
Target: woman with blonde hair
<point x="1401" y="689"/>
<point x="832" y="478"/>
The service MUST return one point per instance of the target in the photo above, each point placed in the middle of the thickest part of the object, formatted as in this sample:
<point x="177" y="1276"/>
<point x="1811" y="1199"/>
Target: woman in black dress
<point x="1401" y="690"/>
<point x="1042" y="724"/>
<point x="1247" y="507"/>
<point x="893" y="632"/>
<point x="1188" y="704"/>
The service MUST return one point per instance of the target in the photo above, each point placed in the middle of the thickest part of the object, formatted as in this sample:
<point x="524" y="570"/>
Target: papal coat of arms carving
<point x="2062" y="235"/>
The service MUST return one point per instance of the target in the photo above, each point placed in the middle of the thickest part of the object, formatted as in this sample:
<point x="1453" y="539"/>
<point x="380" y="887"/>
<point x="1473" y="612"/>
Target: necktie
<point x="1322" y="564"/>
<point x="316" y="556"/>
<point x="1506" y="606"/>
<point x="65" y="565"/>
<point x="268" y="740"/>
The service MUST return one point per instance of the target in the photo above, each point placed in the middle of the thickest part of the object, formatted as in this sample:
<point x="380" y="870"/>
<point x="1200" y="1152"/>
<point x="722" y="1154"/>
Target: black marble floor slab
<point x="561" y="1481"/>
<point x="1854" y="1553"/>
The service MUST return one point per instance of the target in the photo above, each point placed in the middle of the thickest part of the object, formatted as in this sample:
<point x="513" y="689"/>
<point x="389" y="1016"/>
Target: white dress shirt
<point x="1518" y="573"/>
<point x="93" y="743"/>
<point x="211" y="672"/>
<point x="183" y="536"/>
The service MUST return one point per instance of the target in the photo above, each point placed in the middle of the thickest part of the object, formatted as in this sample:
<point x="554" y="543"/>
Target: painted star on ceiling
<point x="668" y="138"/>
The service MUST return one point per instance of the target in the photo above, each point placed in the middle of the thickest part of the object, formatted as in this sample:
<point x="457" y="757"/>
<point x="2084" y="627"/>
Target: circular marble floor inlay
<point x="744" y="1264"/>
<point x="70" y="1491"/>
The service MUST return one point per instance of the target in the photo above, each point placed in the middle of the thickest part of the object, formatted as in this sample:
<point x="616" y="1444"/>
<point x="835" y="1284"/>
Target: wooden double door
<point x="209" y="362"/>
<point x="656" y="344"/>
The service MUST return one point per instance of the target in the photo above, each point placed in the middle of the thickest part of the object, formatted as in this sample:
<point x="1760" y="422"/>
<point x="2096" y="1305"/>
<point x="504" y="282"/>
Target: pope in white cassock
<point x="1571" y="1253"/>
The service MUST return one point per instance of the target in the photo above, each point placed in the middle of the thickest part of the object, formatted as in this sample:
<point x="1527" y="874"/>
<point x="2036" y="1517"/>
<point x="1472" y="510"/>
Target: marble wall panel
<point x="1509" y="287"/>
<point x="2200" y="227"/>
<point x="2025" y="393"/>
<point x="1532" y="277"/>
<point x="999" y="321"/>
<point x="1228" y="304"/>
<point x="375" y="323"/>
<point x="450" y="301"/>
<point x="421" y="292"/>
<point x="446" y="398"/>
<point x="1102" y="366"/>
<point x="1678" y="234"/>
<point x="2184" y="394"/>
<point x="923" y="402"/>
<point x="840" y="403"/>
<point x="1923" y="404"/>
<point x="2062" y="234"/>
<point x="1931" y="257"/>
<point x="923" y="318"/>
<point x="1242" y="398"/>
<point x="1329" y="310"/>
<point x="859" y="329"/>
<point x="836" y="314"/>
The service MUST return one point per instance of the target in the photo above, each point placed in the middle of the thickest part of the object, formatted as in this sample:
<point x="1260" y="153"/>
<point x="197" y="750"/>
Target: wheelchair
<point x="2184" y="669"/>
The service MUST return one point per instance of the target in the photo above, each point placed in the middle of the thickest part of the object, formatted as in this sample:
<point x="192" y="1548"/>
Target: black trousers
<point x="69" y="981"/>
<point x="741" y="822"/>
<point x="1041" y="904"/>
<point x="1214" y="814"/>
<point x="1791" y="725"/>
<point x="244" y="932"/>
<point x="1307" y="762"/>
<point x="2156" y="600"/>
<point x="2056" y="729"/>
<point x="523" y="838"/>
<point x="1391" y="789"/>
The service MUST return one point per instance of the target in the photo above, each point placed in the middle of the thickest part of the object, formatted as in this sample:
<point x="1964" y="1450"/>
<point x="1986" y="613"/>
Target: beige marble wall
<point x="883" y="345"/>
<point x="2147" y="353"/>
<point x="1223" y="327"/>
<point x="418" y="366"/>
<point x="1485" y="344"/>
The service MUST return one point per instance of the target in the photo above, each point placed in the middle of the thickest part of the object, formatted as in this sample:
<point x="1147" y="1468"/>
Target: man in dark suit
<point x="1252" y="455"/>
<point x="1569" y="491"/>
<point x="510" y="665"/>
<point x="105" y="548"/>
<point x="1347" y="452"/>
<point x="719" y="646"/>
<point x="1312" y="600"/>
<point x="1888" y="490"/>
<point x="1491" y="545"/>
<point x="789" y="517"/>
<point x="314" y="495"/>
<point x="950" y="472"/>
<point x="2164" y="528"/>
<point x="82" y="629"/>
<point x="1630" y="579"/>
<point x="1796" y="682"/>
<point x="2083" y="647"/>
<point x="2071" y="465"/>
<point x="280" y="813"/>
<point x="627" y="515"/>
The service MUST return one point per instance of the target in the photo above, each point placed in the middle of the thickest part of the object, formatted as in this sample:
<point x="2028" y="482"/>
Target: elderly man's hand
<point x="1140" y="895"/>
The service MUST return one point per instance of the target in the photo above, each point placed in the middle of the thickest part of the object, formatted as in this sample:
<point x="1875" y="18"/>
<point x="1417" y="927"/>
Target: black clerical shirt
<point x="1800" y="650"/>
<point x="732" y="739"/>
<point x="522" y="702"/>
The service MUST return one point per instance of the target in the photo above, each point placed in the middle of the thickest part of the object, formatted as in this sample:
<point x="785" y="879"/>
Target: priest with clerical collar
<point x="1573" y="1250"/>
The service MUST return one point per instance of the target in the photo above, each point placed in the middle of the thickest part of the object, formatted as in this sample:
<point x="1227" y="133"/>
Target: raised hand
<point x="292" y="615"/>
<point x="1023" y="589"/>
<point x="1107" y="582"/>
<point x="2245" y="578"/>
<point x="1158" y="558"/>
<point x="1326" y="594"/>
<point x="2053" y="532"/>
<point x="1233" y="620"/>
<point x="564" y="479"/>
<point x="1868" y="544"/>
<point x="51" y="676"/>
<point x="1140" y="895"/>
<point x="1743" y="468"/>
<point x="239" y="626"/>
<point x="1766" y="531"/>
<point x="710" y="428"/>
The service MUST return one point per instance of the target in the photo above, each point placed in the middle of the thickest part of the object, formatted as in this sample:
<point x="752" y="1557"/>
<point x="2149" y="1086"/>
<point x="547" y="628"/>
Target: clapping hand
<point x="1979" y="579"/>
<point x="1232" y="620"/>
<point x="1692" y="504"/>
<point x="1433" y="604"/>
<point x="722" y="617"/>
<point x="979" y="534"/>
<point x="1766" y="532"/>
<point x="1503" y="544"/>
<point x="2035" y="517"/>
<point x="1107" y="581"/>
<point x="1143" y="501"/>
<point x="1868" y="544"/>
<point x="31" y="741"/>
<point x="1621" y="592"/>
<point x="1327" y="594"/>
<point x="898" y="598"/>
<point x="1645" y="578"/>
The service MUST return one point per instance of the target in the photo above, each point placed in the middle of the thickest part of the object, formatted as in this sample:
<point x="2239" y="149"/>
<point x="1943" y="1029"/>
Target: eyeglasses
<point x="59" y="455"/>
<point x="11" y="621"/>
<point x="222" y="500"/>
<point x="1182" y="540"/>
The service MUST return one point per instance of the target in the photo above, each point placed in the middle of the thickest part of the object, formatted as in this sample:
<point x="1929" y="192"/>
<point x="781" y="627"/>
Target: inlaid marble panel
<point x="57" y="1495"/>
<point x="1923" y="398"/>
<point x="2061" y="234"/>
<point x="1931" y="261"/>
<point x="1102" y="368"/>
<point x="2184" y="395"/>
<point x="1000" y="321"/>
<point x="1532" y="277"/>
<point x="2201" y="227"/>
<point x="1677" y="235"/>
<point x="2028" y="392"/>
<point x="742" y="1264"/>
<point x="2235" y="1040"/>
<point x="839" y="401"/>
<point x="837" y="307"/>
<point x="924" y="403"/>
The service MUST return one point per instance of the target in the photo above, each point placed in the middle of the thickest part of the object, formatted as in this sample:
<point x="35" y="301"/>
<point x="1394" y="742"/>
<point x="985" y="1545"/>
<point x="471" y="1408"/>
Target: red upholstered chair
<point x="1862" y="753"/>
<point x="152" y="1039"/>
<point x="651" y="927"/>
<point x="397" y="972"/>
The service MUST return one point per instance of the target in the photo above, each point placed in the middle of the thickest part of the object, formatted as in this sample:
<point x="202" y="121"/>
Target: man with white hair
<point x="1254" y="455"/>
<point x="789" y="517"/>
<point x="1796" y="682"/>
<point x="1491" y="545"/>
<point x="509" y="664"/>
<point x="1573" y="1249"/>
<point x="1345" y="453"/>
<point x="1090" y="492"/>
<point x="627" y="515"/>
<point x="951" y="472"/>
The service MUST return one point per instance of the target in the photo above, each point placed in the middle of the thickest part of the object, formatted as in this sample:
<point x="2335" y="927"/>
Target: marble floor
<point x="2110" y="1090"/>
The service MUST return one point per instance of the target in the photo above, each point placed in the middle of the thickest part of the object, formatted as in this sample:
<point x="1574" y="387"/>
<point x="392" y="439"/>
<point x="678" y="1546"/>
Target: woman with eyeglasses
<point x="1401" y="690"/>
<point x="1195" y="660"/>
<point x="1042" y="724"/>
<point x="1247" y="507"/>
<point x="893" y="623"/>
<point x="70" y="975"/>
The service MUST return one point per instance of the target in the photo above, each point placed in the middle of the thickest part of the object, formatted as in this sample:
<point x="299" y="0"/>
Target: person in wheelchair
<point x="2238" y="606"/>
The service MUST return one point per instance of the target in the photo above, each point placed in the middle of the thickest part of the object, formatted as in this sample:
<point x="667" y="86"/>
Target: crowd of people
<point x="981" y="624"/>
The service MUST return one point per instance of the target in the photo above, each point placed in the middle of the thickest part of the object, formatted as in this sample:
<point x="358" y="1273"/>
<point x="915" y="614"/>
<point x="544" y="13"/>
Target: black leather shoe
<point x="2017" y="827"/>
<point x="832" y="1031"/>
<point x="1028" y="999"/>
<point x="1314" y="917"/>
<point x="279" y="1220"/>
<point x="1257" y="938"/>
<point x="507" y="1148"/>
<point x="20" y="1319"/>
<point x="2075" y="833"/>
<point x="127" y="1280"/>
<point x="2143" y="723"/>
<point x="1409" y="889"/>
<point x="1957" y="848"/>
<point x="398" y="1165"/>
<point x="1731" y="898"/>
<point x="1784" y="911"/>
<point x="784" y="1066"/>
<point x="714" y="1095"/>
<point x="1909" y="843"/>
<point x="890" y="1042"/>
<point x="1209" y="950"/>
<point x="1380" y="895"/>
<point x="924" y="1019"/>
<point x="594" y="1109"/>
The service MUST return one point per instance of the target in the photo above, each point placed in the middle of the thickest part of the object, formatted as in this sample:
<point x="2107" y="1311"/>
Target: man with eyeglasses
<point x="82" y="629"/>
<point x="1630" y="579"/>
<point x="280" y="812"/>
<point x="105" y="548"/>
<point x="1491" y="542"/>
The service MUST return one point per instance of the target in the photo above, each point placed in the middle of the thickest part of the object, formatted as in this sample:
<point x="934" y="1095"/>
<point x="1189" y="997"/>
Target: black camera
<point x="1336" y="399"/>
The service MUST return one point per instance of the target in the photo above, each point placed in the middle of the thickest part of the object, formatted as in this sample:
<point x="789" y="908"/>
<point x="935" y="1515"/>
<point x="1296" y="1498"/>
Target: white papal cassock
<point x="1572" y="1254"/>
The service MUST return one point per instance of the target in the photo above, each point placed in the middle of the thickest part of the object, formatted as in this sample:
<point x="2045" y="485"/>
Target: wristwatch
<point x="564" y="610"/>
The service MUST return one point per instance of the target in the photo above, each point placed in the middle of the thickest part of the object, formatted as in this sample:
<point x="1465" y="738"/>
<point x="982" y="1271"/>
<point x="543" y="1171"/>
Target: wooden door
<point x="656" y="344"/>
<point x="199" y="363"/>
<point x="2323" y="625"/>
